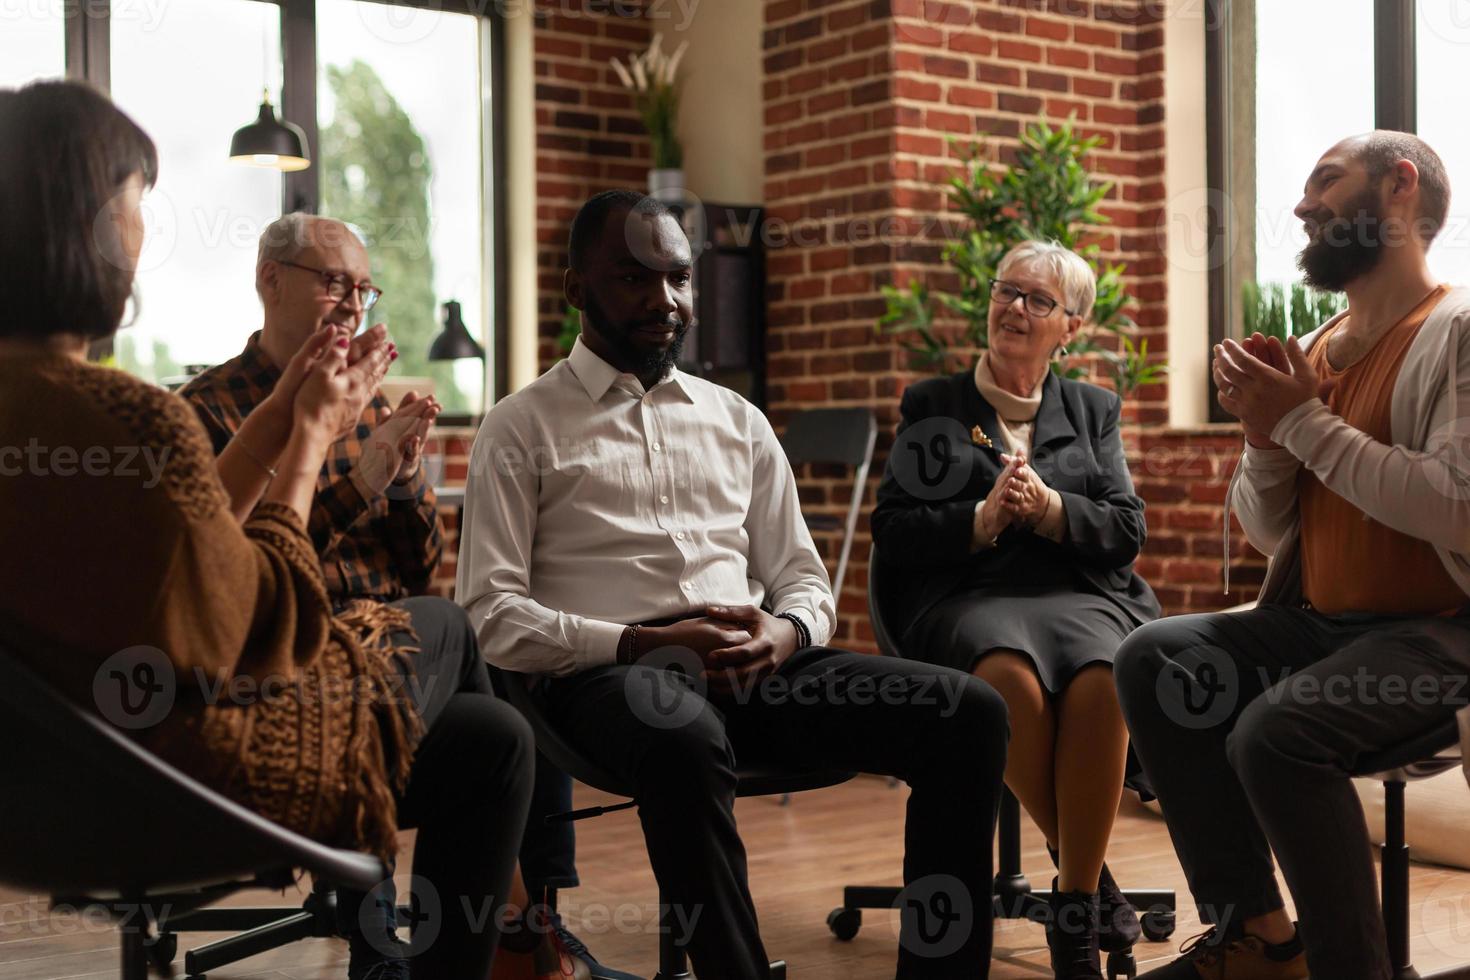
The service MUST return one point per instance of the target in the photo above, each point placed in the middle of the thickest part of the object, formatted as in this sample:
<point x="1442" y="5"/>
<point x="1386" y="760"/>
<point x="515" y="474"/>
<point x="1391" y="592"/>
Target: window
<point x="1294" y="123"/>
<point x="1276" y="103"/>
<point x="364" y="80"/>
<point x="401" y="160"/>
<point x="191" y="80"/>
<point x="32" y="44"/>
<point x="1442" y="34"/>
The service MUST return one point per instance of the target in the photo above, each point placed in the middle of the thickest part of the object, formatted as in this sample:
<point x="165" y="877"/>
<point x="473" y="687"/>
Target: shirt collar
<point x="256" y="364"/>
<point x="597" y="376"/>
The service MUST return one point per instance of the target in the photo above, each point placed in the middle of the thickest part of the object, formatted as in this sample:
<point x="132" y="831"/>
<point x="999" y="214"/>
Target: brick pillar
<point x="588" y="135"/>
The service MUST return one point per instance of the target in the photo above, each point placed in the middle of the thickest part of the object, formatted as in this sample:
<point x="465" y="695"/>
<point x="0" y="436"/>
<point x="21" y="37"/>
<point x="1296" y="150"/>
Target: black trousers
<point x="942" y="731"/>
<point x="467" y="794"/>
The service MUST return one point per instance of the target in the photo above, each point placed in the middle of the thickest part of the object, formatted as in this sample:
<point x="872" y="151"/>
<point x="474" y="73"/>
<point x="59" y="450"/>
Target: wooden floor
<point x="800" y="857"/>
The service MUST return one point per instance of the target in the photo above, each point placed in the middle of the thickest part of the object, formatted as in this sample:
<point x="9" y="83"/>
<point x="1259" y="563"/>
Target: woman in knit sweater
<point x="1009" y="514"/>
<point x="340" y="728"/>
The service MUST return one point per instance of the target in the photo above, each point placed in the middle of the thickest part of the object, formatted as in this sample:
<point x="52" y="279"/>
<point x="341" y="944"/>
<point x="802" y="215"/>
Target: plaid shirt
<point x="385" y="548"/>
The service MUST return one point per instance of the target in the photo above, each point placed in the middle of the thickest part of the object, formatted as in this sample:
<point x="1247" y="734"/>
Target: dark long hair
<point x="65" y="152"/>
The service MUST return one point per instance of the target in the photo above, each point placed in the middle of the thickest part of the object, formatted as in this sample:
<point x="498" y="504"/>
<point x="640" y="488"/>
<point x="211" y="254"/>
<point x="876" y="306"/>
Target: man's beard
<point x="646" y="364"/>
<point x="1347" y="246"/>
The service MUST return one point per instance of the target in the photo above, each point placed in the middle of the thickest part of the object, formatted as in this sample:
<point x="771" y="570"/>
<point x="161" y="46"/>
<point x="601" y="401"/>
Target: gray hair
<point x="284" y="239"/>
<point x="1074" y="277"/>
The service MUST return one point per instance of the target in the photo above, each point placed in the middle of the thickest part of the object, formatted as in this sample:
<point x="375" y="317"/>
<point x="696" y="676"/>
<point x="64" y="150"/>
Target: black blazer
<point x="937" y="472"/>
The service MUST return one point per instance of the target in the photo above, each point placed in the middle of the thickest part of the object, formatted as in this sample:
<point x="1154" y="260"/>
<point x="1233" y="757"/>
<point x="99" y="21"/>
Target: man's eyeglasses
<point x="338" y="286"/>
<point x="1003" y="293"/>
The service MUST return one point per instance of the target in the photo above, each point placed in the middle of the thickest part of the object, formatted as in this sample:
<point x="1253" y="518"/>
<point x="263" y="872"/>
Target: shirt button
<point x="663" y="500"/>
<point x="680" y="535"/>
<point x="656" y="447"/>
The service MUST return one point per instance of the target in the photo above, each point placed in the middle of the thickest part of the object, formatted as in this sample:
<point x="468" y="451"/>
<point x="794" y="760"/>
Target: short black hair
<point x="65" y="151"/>
<point x="592" y="217"/>
<point x="1383" y="149"/>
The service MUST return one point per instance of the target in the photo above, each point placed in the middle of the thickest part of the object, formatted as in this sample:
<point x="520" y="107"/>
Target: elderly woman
<point x="1009" y="520"/>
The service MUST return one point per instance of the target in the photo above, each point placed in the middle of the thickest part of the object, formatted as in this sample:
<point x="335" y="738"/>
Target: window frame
<point x="1395" y="84"/>
<point x="88" y="42"/>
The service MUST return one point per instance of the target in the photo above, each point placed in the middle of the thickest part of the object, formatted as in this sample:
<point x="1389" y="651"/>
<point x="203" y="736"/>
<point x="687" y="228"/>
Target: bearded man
<point x="1355" y="483"/>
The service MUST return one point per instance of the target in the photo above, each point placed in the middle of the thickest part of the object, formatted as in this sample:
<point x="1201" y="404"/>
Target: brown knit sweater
<point x="116" y="533"/>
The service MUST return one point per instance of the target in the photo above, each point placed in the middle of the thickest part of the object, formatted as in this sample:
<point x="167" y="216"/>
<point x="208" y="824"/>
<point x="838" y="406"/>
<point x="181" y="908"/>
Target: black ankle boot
<point x="1118" y="926"/>
<point x="1071" y="934"/>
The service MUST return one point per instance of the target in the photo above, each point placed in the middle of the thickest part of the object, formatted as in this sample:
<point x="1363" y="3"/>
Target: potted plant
<point x="1045" y="194"/>
<point x="652" y="77"/>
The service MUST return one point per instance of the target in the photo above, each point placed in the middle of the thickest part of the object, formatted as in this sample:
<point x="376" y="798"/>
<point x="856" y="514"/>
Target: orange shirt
<point x="1350" y="562"/>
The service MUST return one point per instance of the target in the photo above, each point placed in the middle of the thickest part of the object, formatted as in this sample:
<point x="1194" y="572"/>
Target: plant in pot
<point x="1046" y="193"/>
<point x="653" y="79"/>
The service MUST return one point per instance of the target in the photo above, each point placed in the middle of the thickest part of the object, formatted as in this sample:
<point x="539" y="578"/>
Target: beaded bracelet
<point x="803" y="635"/>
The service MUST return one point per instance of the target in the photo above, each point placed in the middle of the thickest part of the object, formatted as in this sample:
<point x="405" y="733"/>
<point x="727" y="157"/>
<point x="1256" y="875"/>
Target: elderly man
<point x="375" y="522"/>
<point x="1249" y="724"/>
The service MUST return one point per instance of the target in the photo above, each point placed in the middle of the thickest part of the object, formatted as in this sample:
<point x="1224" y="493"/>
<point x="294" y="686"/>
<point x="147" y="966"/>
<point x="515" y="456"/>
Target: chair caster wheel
<point x="161" y="950"/>
<point x="1158" y="926"/>
<point x="845" y="923"/>
<point x="1122" y="966"/>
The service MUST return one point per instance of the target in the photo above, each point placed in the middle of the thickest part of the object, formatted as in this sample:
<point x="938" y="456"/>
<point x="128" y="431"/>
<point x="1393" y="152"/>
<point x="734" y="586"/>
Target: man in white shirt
<point x="622" y="518"/>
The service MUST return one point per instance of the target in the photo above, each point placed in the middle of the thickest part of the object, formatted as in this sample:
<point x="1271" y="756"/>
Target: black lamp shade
<point x="270" y="142"/>
<point x="454" y="341"/>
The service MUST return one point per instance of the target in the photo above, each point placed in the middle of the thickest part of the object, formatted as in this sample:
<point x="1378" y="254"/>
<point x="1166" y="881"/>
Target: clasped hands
<point x="1018" y="496"/>
<point x="1261" y="380"/>
<point x="737" y="644"/>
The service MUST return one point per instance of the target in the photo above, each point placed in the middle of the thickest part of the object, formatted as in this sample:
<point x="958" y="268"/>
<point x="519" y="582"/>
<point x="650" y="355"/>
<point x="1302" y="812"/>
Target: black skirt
<point x="1062" y="630"/>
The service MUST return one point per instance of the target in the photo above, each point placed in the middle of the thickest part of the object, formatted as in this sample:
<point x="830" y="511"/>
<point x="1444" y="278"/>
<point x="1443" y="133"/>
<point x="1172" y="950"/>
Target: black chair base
<point x="258" y="930"/>
<point x="1013" y="898"/>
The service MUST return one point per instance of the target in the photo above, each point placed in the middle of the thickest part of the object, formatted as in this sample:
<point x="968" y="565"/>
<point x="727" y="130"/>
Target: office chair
<point x="837" y="436"/>
<point x="752" y="781"/>
<point x="1014" y="897"/>
<point x="97" y="822"/>
<point x="1425" y="755"/>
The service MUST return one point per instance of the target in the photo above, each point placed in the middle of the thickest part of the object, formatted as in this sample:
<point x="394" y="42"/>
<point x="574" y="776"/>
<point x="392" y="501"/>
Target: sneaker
<point x="1071" y="935"/>
<point x="1217" y="956"/>
<point x="1118" y="927"/>
<point x="578" y="949"/>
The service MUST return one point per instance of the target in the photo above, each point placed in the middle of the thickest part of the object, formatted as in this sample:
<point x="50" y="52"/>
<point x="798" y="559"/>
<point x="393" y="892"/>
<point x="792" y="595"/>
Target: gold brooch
<point x="979" y="438"/>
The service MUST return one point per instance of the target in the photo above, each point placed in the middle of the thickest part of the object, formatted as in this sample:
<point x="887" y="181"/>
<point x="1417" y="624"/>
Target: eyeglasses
<point x="1004" y="293"/>
<point x="338" y="286"/>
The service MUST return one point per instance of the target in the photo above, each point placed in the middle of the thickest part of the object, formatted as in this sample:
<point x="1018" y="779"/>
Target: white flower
<point x="639" y="75"/>
<point x="627" y="79"/>
<point x="673" y="66"/>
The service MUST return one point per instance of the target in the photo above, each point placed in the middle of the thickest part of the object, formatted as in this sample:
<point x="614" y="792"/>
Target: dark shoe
<point x="1118" y="926"/>
<point x="1071" y="934"/>
<point x="578" y="950"/>
<point x="1217" y="956"/>
<point x="385" y="958"/>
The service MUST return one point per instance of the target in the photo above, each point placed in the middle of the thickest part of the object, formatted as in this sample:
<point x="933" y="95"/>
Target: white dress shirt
<point x="592" y="504"/>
